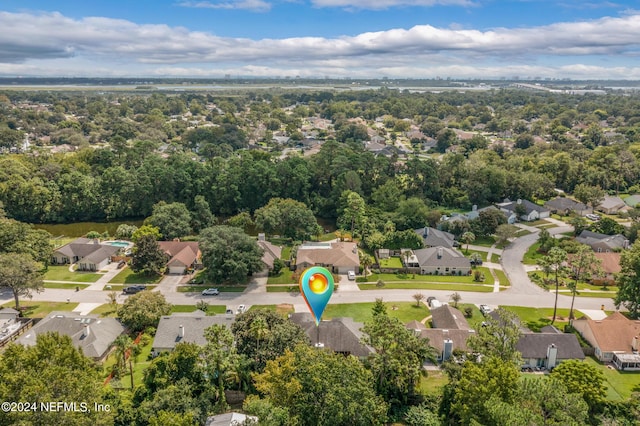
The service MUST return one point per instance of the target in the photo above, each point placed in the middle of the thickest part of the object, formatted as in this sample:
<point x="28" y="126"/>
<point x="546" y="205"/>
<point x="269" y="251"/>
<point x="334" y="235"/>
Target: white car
<point x="485" y="309"/>
<point x="211" y="292"/>
<point x="241" y="309"/>
<point x="351" y="275"/>
<point x="594" y="217"/>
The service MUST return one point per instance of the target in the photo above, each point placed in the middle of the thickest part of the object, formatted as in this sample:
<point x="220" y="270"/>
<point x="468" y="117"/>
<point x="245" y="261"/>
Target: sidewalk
<point x="112" y="271"/>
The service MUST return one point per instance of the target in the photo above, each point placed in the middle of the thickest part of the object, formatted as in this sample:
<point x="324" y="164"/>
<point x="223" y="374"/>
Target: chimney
<point x="552" y="355"/>
<point x="447" y="349"/>
<point x="439" y="252"/>
<point x="87" y="331"/>
<point x="181" y="333"/>
<point x="425" y="232"/>
<point x="634" y="344"/>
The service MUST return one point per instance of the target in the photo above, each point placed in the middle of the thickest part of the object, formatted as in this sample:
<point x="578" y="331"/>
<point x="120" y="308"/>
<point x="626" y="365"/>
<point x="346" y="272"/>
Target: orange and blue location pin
<point x="316" y="286"/>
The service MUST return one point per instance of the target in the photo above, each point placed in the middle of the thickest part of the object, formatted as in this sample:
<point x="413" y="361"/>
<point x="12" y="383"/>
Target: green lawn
<point x="391" y="262"/>
<point x="127" y="276"/>
<point x="62" y="273"/>
<point x="283" y="278"/>
<point x="551" y="225"/>
<point x="434" y="381"/>
<point x="361" y="312"/>
<point x="466" y="279"/>
<point x="476" y="316"/>
<point x="106" y="310"/>
<point x="536" y="318"/>
<point x="523" y="232"/>
<point x="532" y="256"/>
<point x="483" y="254"/>
<point x="484" y="241"/>
<point x="428" y="286"/>
<point x="282" y="288"/>
<point x="199" y="288"/>
<point x="620" y="384"/>
<point x="538" y="222"/>
<point x="69" y="286"/>
<point x="211" y="310"/>
<point x="41" y="309"/>
<point x="283" y="309"/>
<point x="286" y="253"/>
<point x="502" y="277"/>
<point x="495" y="258"/>
<point x="139" y="366"/>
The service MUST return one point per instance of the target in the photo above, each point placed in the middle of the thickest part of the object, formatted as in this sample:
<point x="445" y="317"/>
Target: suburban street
<point x="522" y="292"/>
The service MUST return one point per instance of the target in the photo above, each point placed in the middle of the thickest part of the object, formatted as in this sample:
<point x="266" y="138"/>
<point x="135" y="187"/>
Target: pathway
<point x="112" y="271"/>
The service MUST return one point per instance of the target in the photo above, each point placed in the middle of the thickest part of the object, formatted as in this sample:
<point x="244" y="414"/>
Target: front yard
<point x="127" y="276"/>
<point x="361" y="312"/>
<point x="62" y="273"/>
<point x="465" y="279"/>
<point x="285" y="277"/>
<point x="536" y="318"/>
<point x="41" y="309"/>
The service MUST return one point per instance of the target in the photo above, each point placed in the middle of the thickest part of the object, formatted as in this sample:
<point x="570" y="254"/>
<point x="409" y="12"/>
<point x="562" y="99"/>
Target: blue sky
<point x="315" y="38"/>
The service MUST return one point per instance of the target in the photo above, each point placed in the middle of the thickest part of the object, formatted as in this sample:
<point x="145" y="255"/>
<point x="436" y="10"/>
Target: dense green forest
<point x="131" y="152"/>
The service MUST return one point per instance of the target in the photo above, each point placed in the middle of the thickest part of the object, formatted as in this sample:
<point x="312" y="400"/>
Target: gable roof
<point x="339" y="334"/>
<point x="194" y="323"/>
<point x="336" y="254"/>
<point x="80" y="247"/>
<point x="437" y="336"/>
<point x="181" y="253"/>
<point x="564" y="203"/>
<point x="441" y="256"/>
<point x="611" y="202"/>
<point x="613" y="242"/>
<point x="528" y="206"/>
<point x="93" y="335"/>
<point x="432" y="237"/>
<point x="610" y="262"/>
<point x="611" y="334"/>
<point x="632" y="200"/>
<point x="100" y="254"/>
<point x="535" y="345"/>
<point x="271" y="252"/>
<point x="448" y="317"/>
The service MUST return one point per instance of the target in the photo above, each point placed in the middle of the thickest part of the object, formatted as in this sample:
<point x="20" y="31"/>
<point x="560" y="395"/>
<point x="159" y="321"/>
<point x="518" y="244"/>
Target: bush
<point x="468" y="312"/>
<point x="380" y="284"/>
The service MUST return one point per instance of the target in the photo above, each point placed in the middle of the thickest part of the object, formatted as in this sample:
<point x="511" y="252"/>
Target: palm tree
<point x="124" y="349"/>
<point x="406" y="255"/>
<point x="468" y="237"/>
<point x="260" y="330"/>
<point x="555" y="261"/>
<point x="584" y="264"/>
<point x="366" y="261"/>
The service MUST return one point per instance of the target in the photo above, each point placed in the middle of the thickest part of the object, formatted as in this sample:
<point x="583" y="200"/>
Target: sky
<point x="321" y="38"/>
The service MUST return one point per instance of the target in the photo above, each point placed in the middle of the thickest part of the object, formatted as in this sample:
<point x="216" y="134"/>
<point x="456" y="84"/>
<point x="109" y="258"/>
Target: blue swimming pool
<point x="118" y="243"/>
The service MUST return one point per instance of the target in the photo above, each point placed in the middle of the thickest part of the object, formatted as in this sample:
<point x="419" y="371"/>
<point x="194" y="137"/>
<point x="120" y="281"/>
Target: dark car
<point x="133" y="289"/>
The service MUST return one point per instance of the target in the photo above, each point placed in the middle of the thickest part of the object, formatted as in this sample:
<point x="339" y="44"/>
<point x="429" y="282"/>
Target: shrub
<point x="468" y="312"/>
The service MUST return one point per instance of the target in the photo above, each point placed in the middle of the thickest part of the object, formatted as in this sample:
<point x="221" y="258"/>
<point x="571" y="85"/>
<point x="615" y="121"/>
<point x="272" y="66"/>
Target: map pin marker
<point x="316" y="286"/>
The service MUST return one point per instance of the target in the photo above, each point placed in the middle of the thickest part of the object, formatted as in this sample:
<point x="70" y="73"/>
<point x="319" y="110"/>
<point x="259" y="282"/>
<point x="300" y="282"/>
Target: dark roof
<point x="93" y="335"/>
<point x="339" y="334"/>
<point x="432" y="237"/>
<point x="448" y="317"/>
<point x="228" y="419"/>
<point x="612" y="242"/>
<point x="437" y="336"/>
<point x="564" y="203"/>
<point x="528" y="205"/>
<point x="194" y="323"/>
<point x="441" y="256"/>
<point x="535" y="345"/>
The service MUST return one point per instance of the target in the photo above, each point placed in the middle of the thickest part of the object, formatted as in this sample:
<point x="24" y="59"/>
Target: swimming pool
<point x="118" y="243"/>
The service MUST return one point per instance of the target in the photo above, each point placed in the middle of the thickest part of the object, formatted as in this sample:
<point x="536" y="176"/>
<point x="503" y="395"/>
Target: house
<point x="610" y="266"/>
<point x="565" y="206"/>
<point x="432" y="237"/>
<point x="449" y="318"/>
<point x="339" y="257"/>
<point x="612" y="205"/>
<point x="632" y="200"/>
<point x="440" y="261"/>
<point x="602" y="242"/>
<point x="615" y="339"/>
<point x="548" y="349"/>
<point x="185" y="328"/>
<point x="271" y="251"/>
<point x="231" y="419"/>
<point x="341" y="335"/>
<point x="88" y="253"/>
<point x="526" y="210"/>
<point x="445" y="341"/>
<point x="182" y="255"/>
<point x="89" y="333"/>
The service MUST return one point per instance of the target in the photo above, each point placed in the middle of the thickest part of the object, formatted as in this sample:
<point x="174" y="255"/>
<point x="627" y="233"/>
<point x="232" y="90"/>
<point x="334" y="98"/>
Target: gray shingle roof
<point x="534" y="345"/>
<point x="564" y="203"/>
<point x="437" y="336"/>
<point x="432" y="237"/>
<point x="339" y="334"/>
<point x="93" y="335"/>
<point x="168" y="331"/>
<point x="441" y="256"/>
<point x="448" y="317"/>
<point x="528" y="205"/>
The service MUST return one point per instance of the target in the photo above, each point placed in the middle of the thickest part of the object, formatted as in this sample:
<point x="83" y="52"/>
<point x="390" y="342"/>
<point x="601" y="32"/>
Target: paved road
<point x="522" y="292"/>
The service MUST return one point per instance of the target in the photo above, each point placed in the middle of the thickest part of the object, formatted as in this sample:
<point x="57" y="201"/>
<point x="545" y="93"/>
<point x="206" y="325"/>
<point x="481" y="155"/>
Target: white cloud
<point x="386" y="4"/>
<point x="254" y="5"/>
<point x="105" y="46"/>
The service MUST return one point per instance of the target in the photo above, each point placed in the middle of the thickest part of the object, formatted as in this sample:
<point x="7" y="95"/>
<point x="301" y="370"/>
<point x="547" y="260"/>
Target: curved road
<point x="522" y="292"/>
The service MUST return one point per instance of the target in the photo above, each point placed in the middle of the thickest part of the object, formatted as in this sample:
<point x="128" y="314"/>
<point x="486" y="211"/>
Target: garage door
<point x="176" y="270"/>
<point x="345" y="269"/>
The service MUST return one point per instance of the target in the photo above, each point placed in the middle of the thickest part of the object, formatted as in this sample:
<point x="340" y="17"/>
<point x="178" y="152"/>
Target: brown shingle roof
<point x="271" y="252"/>
<point x="181" y="253"/>
<point x="611" y="334"/>
<point x="437" y="336"/>
<point x="335" y="254"/>
<point x="448" y="317"/>
<point x="610" y="262"/>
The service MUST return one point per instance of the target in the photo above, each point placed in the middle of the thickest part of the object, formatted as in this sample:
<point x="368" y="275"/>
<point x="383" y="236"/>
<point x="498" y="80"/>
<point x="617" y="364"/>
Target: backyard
<point x="391" y="262"/>
<point x="620" y="384"/>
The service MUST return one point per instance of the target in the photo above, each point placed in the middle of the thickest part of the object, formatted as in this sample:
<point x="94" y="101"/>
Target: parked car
<point x="593" y="216"/>
<point x="211" y="292"/>
<point x="229" y="312"/>
<point x="133" y="289"/>
<point x="241" y="309"/>
<point x="351" y="275"/>
<point x="485" y="309"/>
<point x="476" y="262"/>
<point x="121" y="264"/>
